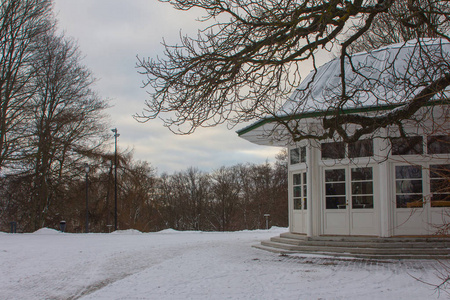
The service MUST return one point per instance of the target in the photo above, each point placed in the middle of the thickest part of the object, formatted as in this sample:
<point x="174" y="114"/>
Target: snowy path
<point x="192" y="265"/>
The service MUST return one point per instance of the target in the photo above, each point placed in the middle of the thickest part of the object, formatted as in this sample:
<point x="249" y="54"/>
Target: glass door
<point x="349" y="201"/>
<point x="299" y="196"/>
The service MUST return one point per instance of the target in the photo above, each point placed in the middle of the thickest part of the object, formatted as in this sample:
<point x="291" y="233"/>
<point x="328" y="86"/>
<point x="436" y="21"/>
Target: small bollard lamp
<point x="267" y="216"/>
<point x="86" y="168"/>
<point x="62" y="226"/>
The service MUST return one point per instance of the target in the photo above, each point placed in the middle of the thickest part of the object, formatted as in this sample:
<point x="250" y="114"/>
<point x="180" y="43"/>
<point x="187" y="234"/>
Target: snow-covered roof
<point x="386" y="76"/>
<point x="381" y="79"/>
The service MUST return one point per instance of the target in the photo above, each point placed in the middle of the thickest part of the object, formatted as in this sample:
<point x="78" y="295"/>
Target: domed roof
<point x="377" y="80"/>
<point x="387" y="76"/>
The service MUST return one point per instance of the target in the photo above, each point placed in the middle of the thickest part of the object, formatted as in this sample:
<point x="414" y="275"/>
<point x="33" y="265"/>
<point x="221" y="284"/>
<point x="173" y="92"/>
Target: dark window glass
<point x="335" y="202"/>
<point x="297" y="179"/>
<point x="408" y="182"/>
<point x="361" y="174"/>
<point x="439" y="144"/>
<point x="335" y="194"/>
<point x="302" y="154"/>
<point x="363" y="148"/>
<point x="440" y="185"/>
<point x="408" y="172"/>
<point x="362" y="202"/>
<point x="362" y="188"/>
<point x="335" y="175"/>
<point x="299" y="190"/>
<point x="409" y="201"/>
<point x="298" y="155"/>
<point x="407" y="146"/>
<point x="295" y="156"/>
<point x="297" y="203"/>
<point x="335" y="188"/>
<point x="333" y="150"/>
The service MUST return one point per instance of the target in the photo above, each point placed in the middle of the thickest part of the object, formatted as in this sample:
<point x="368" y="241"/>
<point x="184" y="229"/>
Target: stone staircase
<point x="360" y="247"/>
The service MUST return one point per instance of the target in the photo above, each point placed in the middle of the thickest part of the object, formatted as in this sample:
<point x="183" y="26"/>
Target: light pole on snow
<point x="116" y="135"/>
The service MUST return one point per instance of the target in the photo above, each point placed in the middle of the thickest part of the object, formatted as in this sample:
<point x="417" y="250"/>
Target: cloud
<point x="110" y="33"/>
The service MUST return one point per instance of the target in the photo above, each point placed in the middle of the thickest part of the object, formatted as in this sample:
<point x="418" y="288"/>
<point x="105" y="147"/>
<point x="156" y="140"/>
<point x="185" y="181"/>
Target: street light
<point x="86" y="168"/>
<point x="116" y="135"/>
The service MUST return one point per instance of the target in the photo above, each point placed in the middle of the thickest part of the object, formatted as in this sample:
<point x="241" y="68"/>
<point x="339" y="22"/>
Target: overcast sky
<point x="110" y="33"/>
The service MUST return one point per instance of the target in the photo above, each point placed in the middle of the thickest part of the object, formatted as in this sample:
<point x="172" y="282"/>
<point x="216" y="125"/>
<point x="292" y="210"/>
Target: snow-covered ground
<point x="193" y="265"/>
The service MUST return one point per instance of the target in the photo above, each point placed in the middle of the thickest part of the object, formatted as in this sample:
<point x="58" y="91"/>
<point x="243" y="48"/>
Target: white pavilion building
<point x="386" y="184"/>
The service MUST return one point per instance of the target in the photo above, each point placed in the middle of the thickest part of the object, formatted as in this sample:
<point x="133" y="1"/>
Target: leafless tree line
<point x="230" y="198"/>
<point x="227" y="199"/>
<point x="51" y="121"/>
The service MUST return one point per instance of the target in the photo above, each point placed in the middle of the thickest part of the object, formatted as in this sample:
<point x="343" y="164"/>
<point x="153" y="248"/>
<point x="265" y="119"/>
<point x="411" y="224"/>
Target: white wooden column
<point x="309" y="178"/>
<point x="381" y="154"/>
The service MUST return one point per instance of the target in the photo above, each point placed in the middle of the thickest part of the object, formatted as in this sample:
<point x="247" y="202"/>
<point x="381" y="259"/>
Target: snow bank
<point x="46" y="230"/>
<point x="128" y="231"/>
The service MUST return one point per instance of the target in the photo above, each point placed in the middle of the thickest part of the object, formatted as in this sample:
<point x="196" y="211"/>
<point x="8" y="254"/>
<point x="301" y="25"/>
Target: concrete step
<point x="362" y="250"/>
<point x="378" y="257"/>
<point x="361" y="247"/>
<point x="363" y="244"/>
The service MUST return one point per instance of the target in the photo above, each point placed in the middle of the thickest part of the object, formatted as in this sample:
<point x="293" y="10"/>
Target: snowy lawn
<point x="193" y="265"/>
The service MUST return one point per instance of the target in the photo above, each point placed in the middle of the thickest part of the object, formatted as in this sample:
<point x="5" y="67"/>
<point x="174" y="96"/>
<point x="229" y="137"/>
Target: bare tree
<point x="246" y="61"/>
<point x="226" y="190"/>
<point x="22" y="23"/>
<point x="65" y="122"/>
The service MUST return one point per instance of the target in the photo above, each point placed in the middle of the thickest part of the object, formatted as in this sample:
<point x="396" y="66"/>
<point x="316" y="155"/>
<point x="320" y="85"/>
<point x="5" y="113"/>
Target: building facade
<point x="389" y="183"/>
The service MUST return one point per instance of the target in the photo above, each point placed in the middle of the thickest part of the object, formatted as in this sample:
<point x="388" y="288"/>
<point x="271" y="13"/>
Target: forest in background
<point x="53" y="124"/>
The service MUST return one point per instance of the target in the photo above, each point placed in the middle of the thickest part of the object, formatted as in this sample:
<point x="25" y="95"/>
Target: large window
<point x="298" y="155"/>
<point x="407" y="146"/>
<point x="335" y="150"/>
<point x="438" y="144"/>
<point x="362" y="188"/>
<point x="439" y="185"/>
<point x="335" y="195"/>
<point x="362" y="148"/>
<point x="408" y="183"/>
<point x="299" y="190"/>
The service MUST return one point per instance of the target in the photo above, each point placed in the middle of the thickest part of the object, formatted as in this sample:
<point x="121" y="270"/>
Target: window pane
<point x="333" y="150"/>
<point x="440" y="200"/>
<point x="407" y="146"/>
<point x="295" y="156"/>
<point x="297" y="179"/>
<point x="440" y="171"/>
<point x="409" y="201"/>
<point x="438" y="144"/>
<point x="363" y="148"/>
<point x="298" y="203"/>
<point x="304" y="203"/>
<point x="297" y="191"/>
<point x="439" y="185"/>
<point x="409" y="186"/>
<point x="408" y="172"/>
<point x="362" y="202"/>
<point x="362" y="188"/>
<point x="335" y="189"/>
<point x="361" y="174"/>
<point x="335" y="202"/>
<point x="335" y="175"/>
<point x="302" y="154"/>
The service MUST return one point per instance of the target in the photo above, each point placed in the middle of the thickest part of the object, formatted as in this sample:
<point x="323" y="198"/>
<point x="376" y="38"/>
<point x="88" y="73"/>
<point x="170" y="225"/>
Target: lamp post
<point x="86" y="168"/>
<point x="116" y="135"/>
